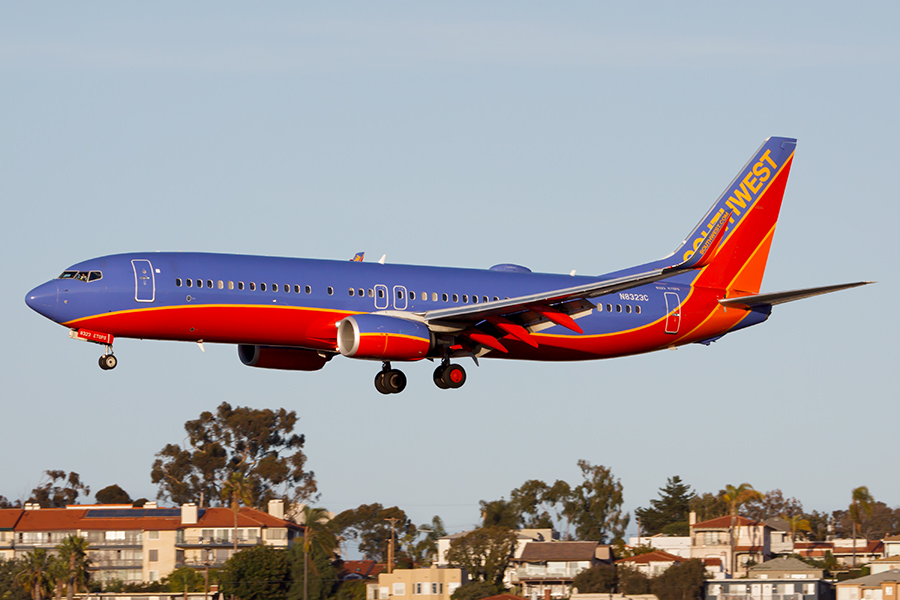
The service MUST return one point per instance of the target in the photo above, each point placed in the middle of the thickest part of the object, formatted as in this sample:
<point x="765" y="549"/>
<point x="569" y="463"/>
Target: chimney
<point x="546" y="593"/>
<point x="276" y="508"/>
<point x="189" y="514"/>
<point x="692" y="518"/>
<point x="32" y="506"/>
<point x="149" y="504"/>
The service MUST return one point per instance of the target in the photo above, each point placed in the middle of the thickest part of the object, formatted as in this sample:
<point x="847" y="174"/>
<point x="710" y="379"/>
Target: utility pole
<point x="390" y="564"/>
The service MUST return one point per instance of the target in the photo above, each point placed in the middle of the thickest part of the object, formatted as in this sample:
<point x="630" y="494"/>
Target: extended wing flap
<point x="751" y="302"/>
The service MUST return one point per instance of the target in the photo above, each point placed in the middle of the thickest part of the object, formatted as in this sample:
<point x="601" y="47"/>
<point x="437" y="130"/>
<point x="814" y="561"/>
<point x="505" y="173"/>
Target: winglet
<point x="358" y="257"/>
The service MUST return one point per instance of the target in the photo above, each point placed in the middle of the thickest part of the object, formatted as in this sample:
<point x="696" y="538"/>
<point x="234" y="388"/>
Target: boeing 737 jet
<point x="291" y="313"/>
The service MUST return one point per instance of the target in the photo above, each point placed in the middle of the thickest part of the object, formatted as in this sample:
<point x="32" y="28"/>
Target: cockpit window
<point x="82" y="275"/>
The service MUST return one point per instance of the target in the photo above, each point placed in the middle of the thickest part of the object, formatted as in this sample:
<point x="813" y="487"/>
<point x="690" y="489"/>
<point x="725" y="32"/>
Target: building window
<point x="399" y="589"/>
<point x="276" y="534"/>
<point x="154" y="555"/>
<point x="418" y="588"/>
<point x="153" y="576"/>
<point x="152" y="535"/>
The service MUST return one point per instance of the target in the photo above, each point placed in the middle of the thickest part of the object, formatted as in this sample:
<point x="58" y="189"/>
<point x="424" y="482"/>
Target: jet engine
<point x="288" y="359"/>
<point x="380" y="337"/>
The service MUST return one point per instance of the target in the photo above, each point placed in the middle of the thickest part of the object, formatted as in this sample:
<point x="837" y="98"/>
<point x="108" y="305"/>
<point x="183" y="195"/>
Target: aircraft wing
<point x="750" y="302"/>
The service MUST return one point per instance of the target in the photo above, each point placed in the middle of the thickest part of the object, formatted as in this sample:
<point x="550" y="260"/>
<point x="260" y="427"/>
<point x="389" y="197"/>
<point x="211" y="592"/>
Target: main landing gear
<point x="449" y="376"/>
<point x="108" y="361"/>
<point x="392" y="381"/>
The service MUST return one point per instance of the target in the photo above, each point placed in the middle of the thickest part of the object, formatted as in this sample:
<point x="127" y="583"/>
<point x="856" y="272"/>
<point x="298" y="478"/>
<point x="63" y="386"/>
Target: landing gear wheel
<point x="454" y="376"/>
<point x="439" y="377"/>
<point x="108" y="362"/>
<point x="390" y="381"/>
<point x="379" y="383"/>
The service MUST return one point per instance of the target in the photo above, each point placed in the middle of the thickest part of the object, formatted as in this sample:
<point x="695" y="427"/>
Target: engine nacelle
<point x="383" y="338"/>
<point x="287" y="359"/>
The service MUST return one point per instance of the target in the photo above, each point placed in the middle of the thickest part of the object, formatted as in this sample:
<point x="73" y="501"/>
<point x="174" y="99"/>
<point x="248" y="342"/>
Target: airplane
<point x="297" y="314"/>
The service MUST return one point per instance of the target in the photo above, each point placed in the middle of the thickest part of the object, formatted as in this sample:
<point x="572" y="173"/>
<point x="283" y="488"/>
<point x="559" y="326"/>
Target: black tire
<point x="454" y="376"/>
<point x="379" y="383"/>
<point x="103" y="363"/>
<point x="439" y="378"/>
<point x="395" y="381"/>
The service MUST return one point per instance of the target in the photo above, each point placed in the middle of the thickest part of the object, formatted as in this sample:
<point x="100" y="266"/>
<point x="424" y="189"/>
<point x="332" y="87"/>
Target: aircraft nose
<point x="44" y="299"/>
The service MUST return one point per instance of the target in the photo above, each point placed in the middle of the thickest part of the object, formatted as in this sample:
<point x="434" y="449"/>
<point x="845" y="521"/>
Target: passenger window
<point x="456" y="297"/>
<point x="362" y="292"/>
<point x="177" y="282"/>
<point x="380" y="293"/>
<point x="496" y="299"/>
<point x="308" y="289"/>
<point x="425" y="296"/>
<point x="330" y="290"/>
<point x="485" y="299"/>
<point x="252" y="286"/>
<point x="637" y="309"/>
<point x="240" y="285"/>
<point x="274" y="287"/>
<point x="399" y="294"/>
<point x="628" y="308"/>
<point x="221" y="285"/>
<point x="474" y="299"/>
<point x="351" y="291"/>
<point x="189" y="282"/>
<point x="412" y="295"/>
<point x="209" y="283"/>
<point x="95" y="275"/>
<point x="371" y="293"/>
<point x="609" y="308"/>
<point x="262" y="287"/>
<point x="618" y="308"/>
<point x="465" y="298"/>
<point x="230" y="285"/>
<point x="287" y="289"/>
<point x="434" y="297"/>
<point x="296" y="288"/>
<point x="199" y="283"/>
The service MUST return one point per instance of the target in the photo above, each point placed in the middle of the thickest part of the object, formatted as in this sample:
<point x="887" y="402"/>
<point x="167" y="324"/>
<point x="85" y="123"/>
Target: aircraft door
<point x="400" y="300"/>
<point x="381" y="297"/>
<point x="673" y="312"/>
<point x="144" y="281"/>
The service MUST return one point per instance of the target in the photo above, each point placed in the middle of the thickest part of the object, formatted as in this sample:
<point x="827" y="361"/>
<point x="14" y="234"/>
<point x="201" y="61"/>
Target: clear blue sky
<point x="587" y="136"/>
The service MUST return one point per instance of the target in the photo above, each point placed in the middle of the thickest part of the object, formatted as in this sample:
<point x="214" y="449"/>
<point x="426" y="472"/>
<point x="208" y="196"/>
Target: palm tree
<point x="797" y="523"/>
<point x="318" y="531"/>
<point x="35" y="573"/>
<point x="734" y="497"/>
<point x="237" y="489"/>
<point x="73" y="551"/>
<point x="861" y="503"/>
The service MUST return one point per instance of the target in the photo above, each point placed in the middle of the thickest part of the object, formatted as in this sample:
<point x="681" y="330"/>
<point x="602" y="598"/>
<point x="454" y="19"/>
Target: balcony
<point x="116" y="564"/>
<point x="205" y="542"/>
<point x="533" y="573"/>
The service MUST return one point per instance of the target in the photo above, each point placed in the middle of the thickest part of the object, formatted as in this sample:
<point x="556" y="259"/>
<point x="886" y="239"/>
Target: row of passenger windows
<point x="361" y="292"/>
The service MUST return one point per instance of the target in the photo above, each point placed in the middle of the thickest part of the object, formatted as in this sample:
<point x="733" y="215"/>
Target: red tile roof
<point x="366" y="569"/>
<point x="544" y="551"/>
<point x="247" y="517"/>
<point x="748" y="548"/>
<point x="725" y="523"/>
<point x="649" y="557"/>
<point x="712" y="562"/>
<point x="9" y="517"/>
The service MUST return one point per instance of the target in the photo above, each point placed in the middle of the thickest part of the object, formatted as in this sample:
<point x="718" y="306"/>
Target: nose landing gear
<point x="108" y="361"/>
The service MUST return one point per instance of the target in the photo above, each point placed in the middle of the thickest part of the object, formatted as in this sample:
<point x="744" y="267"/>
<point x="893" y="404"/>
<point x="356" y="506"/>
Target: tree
<point x="595" y="506"/>
<point x="708" y="506"/>
<point x="257" y="573"/>
<point x="772" y="504"/>
<point x="861" y="502"/>
<point x="34" y="575"/>
<point x="367" y="525"/>
<point x="258" y="443"/>
<point x="734" y="497"/>
<point x="796" y="523"/>
<point x="682" y="581"/>
<point x="6" y="503"/>
<point x="672" y="507"/>
<point x="818" y="525"/>
<point x="237" y="489"/>
<point x="632" y="581"/>
<point x="499" y="513"/>
<point x="476" y="590"/>
<point x="318" y="533"/>
<point x="185" y="579"/>
<point x="599" y="579"/>
<point x="313" y="575"/>
<point x="113" y="494"/>
<point x="10" y="588"/>
<point x="50" y="494"/>
<point x="421" y="550"/>
<point x="73" y="553"/>
<point x="484" y="553"/>
<point x="534" y="500"/>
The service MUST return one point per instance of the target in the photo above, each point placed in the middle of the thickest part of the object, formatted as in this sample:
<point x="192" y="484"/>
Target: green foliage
<point x="351" y="590"/>
<point x="10" y="589"/>
<point x="818" y="525"/>
<point x="708" y="506"/>
<point x="185" y="579"/>
<point x="476" y="590"/>
<point x="418" y="545"/>
<point x="771" y="504"/>
<point x="366" y="524"/>
<point x="113" y="494"/>
<point x="595" y="506"/>
<point x="257" y="443"/>
<point x="322" y="573"/>
<point x="72" y="553"/>
<point x="682" y="581"/>
<point x="257" y="573"/>
<point x="678" y="528"/>
<point x="599" y="579"/>
<point x="632" y="581"/>
<point x="673" y="506"/>
<point x="6" y="503"/>
<point x="484" y="553"/>
<point x="34" y="573"/>
<point x="51" y="494"/>
<point x="499" y="513"/>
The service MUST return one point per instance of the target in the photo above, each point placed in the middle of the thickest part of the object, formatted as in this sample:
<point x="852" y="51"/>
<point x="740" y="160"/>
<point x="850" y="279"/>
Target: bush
<point x="598" y="579"/>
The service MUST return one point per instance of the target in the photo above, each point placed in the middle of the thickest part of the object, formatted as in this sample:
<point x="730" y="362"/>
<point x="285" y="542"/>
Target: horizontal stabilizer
<point x="750" y="302"/>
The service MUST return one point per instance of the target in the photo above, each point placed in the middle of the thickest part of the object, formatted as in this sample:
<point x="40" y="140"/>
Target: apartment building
<point x="131" y="544"/>
<point x="432" y="583"/>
